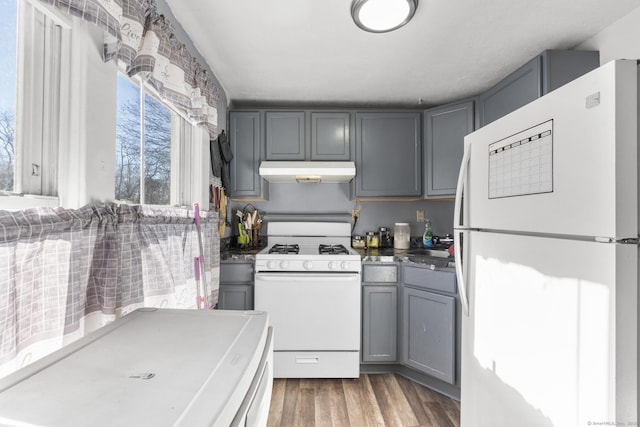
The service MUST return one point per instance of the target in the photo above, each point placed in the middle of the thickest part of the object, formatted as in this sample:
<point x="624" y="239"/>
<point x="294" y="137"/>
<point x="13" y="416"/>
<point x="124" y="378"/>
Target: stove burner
<point x="284" y="249"/>
<point x="333" y="250"/>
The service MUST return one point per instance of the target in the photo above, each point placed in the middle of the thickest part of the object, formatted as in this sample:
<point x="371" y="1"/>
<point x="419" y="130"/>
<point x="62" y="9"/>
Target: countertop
<point x="435" y="259"/>
<point x="234" y="254"/>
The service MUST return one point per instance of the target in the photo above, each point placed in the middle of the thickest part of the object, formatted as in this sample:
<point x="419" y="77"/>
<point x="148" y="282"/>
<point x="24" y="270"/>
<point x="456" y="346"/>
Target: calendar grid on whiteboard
<point x="522" y="164"/>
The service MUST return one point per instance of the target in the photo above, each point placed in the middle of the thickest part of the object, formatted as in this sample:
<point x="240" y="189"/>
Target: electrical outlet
<point x="355" y="213"/>
<point x="420" y="215"/>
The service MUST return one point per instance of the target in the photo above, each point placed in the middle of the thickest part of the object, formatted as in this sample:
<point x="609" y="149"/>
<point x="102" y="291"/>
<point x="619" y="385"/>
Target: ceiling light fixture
<point x="380" y="16"/>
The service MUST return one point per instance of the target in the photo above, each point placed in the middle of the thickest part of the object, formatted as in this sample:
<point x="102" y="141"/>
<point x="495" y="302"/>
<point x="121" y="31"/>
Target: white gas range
<point x="308" y="280"/>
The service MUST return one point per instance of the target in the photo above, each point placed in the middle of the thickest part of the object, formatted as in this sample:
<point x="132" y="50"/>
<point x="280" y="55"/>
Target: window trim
<point x="52" y="126"/>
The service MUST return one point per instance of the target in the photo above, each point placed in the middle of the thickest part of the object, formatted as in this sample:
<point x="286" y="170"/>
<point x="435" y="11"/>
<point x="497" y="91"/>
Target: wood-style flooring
<point x="371" y="400"/>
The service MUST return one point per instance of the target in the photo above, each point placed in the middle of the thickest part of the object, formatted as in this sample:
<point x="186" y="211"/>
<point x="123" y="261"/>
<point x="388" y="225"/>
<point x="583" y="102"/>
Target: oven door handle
<point x="306" y="277"/>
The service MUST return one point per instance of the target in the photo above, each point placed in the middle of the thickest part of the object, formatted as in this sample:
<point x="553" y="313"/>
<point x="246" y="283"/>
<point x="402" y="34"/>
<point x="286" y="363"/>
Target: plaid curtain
<point x="144" y="40"/>
<point x="65" y="273"/>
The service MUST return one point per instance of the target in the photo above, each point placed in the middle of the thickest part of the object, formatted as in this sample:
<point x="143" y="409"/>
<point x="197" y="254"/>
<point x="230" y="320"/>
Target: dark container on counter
<point x="384" y="237"/>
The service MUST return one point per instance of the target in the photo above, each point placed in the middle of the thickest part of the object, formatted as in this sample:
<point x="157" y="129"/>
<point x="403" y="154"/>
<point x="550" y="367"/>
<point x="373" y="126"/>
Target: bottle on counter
<point x="427" y="237"/>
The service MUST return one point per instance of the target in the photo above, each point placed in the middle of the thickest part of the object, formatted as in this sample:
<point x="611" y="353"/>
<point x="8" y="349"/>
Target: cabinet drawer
<point x="429" y="279"/>
<point x="236" y="272"/>
<point x="380" y="273"/>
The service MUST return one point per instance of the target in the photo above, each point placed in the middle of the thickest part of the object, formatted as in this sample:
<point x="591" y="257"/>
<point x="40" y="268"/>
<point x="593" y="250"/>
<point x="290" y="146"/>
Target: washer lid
<point x="160" y="367"/>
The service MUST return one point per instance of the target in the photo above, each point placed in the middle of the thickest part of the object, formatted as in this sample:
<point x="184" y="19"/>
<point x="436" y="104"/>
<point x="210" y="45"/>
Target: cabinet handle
<point x="307" y="360"/>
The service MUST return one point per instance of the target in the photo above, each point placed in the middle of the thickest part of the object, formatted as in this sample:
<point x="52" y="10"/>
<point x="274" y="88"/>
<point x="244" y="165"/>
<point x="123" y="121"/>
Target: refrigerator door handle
<point x="462" y="178"/>
<point x="462" y="286"/>
<point x="458" y="225"/>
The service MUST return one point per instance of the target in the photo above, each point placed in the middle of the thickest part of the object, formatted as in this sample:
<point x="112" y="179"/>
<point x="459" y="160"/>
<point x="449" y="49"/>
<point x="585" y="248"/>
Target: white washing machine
<point x="153" y="367"/>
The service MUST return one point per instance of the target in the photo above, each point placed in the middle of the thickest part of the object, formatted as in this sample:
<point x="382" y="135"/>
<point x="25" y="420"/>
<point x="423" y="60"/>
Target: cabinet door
<point x="388" y="155"/>
<point x="285" y="135"/>
<point x="244" y="136"/>
<point x="559" y="67"/>
<point x="429" y="333"/>
<point x="445" y="129"/>
<point x="235" y="297"/>
<point x="379" y="323"/>
<point x="330" y="136"/>
<point x="519" y="88"/>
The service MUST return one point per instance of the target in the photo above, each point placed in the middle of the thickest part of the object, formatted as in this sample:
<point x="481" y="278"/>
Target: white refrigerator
<point x="547" y="259"/>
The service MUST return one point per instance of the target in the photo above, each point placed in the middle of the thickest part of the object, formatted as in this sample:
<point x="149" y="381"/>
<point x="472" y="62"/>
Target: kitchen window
<point x="143" y="146"/>
<point x="34" y="69"/>
<point x="157" y="149"/>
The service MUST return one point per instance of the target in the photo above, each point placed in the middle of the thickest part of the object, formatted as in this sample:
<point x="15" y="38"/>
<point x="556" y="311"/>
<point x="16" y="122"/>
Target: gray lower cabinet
<point x="379" y="313"/>
<point x="388" y="155"/>
<point x="236" y="286"/>
<point x="379" y="323"/>
<point x="543" y="74"/>
<point x="444" y="131"/>
<point x="285" y="135"/>
<point x="429" y="333"/>
<point x="245" y="140"/>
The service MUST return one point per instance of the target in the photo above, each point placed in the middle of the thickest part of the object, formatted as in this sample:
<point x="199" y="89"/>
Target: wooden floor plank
<point x="305" y="414"/>
<point x="277" y="404"/>
<point x="452" y="408"/>
<point x="354" y="397"/>
<point x="387" y="405"/>
<point x="400" y="403"/>
<point x="323" y="406"/>
<point x="438" y="414"/>
<point x="339" y="414"/>
<point x="380" y="400"/>
<point x="415" y="401"/>
<point x="370" y="403"/>
<point x="292" y="386"/>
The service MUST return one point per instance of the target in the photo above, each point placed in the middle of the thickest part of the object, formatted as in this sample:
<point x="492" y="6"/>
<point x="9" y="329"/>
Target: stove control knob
<point x="332" y="265"/>
<point x="284" y="265"/>
<point x="307" y="265"/>
<point x="344" y="265"/>
<point x="271" y="265"/>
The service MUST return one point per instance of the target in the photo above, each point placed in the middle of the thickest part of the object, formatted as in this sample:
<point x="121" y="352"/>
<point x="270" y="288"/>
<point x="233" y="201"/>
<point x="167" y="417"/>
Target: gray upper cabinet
<point x="444" y="131"/>
<point x="330" y="136"/>
<point x="518" y="89"/>
<point x="244" y="137"/>
<point x="285" y="135"/>
<point x="388" y="155"/>
<point x="544" y="73"/>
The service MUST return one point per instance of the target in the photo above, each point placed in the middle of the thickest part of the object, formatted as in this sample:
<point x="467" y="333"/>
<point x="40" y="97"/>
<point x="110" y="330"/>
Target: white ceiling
<point x="310" y="51"/>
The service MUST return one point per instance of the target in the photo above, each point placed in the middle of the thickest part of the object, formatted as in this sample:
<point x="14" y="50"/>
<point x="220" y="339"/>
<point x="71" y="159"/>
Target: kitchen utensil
<point x="243" y="237"/>
<point x="223" y="213"/>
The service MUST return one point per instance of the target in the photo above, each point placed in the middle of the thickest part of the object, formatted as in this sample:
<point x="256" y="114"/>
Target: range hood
<point x="307" y="172"/>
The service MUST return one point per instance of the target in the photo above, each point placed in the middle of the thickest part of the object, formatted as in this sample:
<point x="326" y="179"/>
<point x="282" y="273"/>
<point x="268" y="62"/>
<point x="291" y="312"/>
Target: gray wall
<point x="334" y="199"/>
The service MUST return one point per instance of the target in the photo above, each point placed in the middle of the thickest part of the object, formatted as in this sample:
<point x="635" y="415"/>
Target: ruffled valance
<point x="144" y="40"/>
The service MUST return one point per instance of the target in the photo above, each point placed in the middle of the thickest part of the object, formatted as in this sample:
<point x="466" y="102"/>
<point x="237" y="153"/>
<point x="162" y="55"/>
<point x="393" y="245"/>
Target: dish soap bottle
<point x="427" y="237"/>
